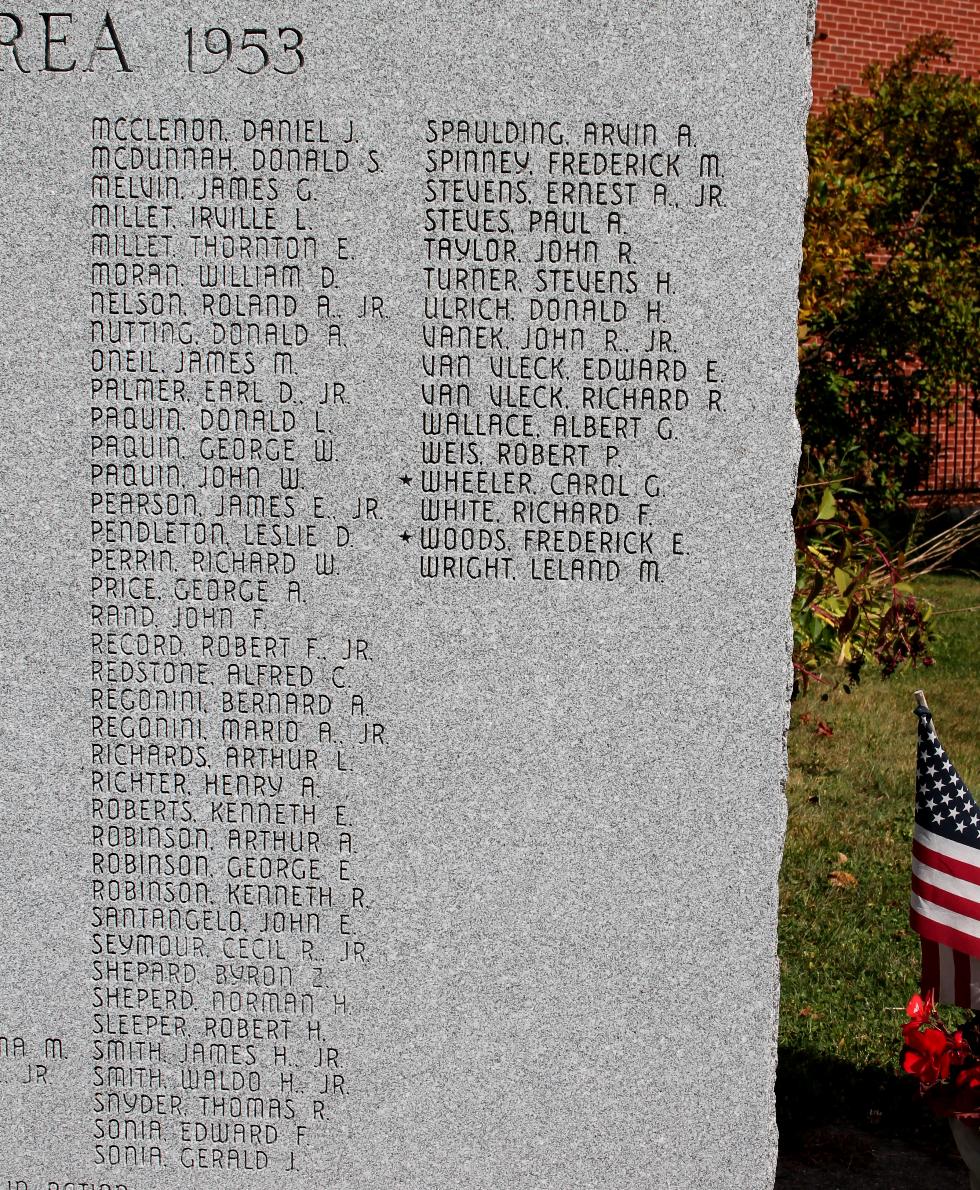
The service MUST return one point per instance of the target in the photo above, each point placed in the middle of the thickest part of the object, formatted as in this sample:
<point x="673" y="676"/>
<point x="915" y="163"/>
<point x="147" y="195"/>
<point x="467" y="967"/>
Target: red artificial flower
<point x="929" y="1055"/>
<point x="968" y="1079"/>
<point x="919" y="1010"/>
<point x="959" y="1051"/>
<point x="961" y="1098"/>
<point x="944" y="1062"/>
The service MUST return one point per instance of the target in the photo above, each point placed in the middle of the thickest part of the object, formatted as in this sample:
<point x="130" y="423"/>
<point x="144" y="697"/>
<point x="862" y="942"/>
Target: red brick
<point x="858" y="32"/>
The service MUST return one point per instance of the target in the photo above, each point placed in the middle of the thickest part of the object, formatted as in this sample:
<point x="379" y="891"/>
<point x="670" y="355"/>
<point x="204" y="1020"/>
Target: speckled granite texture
<point x="507" y="467"/>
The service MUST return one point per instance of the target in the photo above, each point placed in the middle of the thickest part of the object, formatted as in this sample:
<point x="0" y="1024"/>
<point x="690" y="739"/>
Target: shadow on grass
<point x="815" y="1093"/>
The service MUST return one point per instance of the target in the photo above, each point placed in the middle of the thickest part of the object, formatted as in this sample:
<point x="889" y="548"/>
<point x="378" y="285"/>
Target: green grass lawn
<point x="849" y="959"/>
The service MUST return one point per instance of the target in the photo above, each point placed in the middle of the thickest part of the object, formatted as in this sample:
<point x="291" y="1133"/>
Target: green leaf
<point x="828" y="506"/>
<point x="843" y="579"/>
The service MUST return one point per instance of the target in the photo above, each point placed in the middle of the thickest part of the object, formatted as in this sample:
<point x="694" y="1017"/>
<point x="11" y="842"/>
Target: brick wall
<point x="852" y="33"/>
<point x="954" y="477"/>
<point x="849" y="35"/>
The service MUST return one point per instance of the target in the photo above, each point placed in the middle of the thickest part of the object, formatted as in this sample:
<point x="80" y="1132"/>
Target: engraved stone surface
<point x="399" y="448"/>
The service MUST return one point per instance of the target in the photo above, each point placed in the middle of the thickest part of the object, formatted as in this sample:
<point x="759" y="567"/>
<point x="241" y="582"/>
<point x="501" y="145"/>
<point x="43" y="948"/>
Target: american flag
<point x="945" y="910"/>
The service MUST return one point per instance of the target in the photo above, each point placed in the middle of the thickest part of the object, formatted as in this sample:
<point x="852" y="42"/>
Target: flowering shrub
<point x="889" y="302"/>
<point x="946" y="1063"/>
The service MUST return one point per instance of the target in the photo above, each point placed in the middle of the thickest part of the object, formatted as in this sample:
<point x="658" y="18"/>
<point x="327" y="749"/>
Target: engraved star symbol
<point x="406" y="536"/>
<point x="405" y="478"/>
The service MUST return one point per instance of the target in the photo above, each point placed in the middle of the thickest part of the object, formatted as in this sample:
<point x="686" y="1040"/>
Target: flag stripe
<point x="930" y="968"/>
<point x="947" y="964"/>
<point x="964" y="852"/>
<point x="945" y="900"/>
<point x="961" y="966"/>
<point x="946" y="934"/>
<point x="947" y="975"/>
<point x="944" y="862"/>
<point x="951" y="976"/>
<point x="945" y="895"/>
<point x="940" y="879"/>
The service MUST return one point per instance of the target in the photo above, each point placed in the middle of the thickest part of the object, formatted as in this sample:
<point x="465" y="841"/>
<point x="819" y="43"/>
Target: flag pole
<point x="920" y="699"/>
